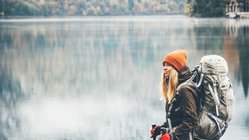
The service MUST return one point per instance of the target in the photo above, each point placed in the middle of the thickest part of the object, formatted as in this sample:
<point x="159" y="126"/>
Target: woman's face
<point x="166" y="69"/>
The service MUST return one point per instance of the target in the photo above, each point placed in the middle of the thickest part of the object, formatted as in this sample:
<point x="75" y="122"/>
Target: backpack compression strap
<point x="214" y="93"/>
<point x="213" y="90"/>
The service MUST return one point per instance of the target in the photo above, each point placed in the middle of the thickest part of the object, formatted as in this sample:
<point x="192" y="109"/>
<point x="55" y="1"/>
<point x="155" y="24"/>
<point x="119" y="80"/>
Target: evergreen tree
<point x="208" y="8"/>
<point x="130" y="4"/>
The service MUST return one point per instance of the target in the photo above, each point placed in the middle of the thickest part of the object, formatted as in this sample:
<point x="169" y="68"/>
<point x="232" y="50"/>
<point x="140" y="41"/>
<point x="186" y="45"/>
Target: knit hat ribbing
<point x="177" y="58"/>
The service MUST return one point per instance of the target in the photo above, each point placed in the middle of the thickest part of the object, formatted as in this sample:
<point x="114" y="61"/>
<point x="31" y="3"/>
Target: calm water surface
<point x="99" y="78"/>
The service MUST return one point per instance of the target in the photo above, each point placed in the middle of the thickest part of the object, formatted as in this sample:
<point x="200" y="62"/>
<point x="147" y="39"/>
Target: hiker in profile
<point x="199" y="103"/>
<point x="181" y="109"/>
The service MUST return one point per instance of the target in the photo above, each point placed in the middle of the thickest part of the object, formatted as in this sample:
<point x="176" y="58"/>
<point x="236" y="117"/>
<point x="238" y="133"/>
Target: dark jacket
<point x="182" y="111"/>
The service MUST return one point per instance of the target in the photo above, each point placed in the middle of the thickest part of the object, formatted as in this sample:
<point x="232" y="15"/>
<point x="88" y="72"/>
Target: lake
<point x="98" y="78"/>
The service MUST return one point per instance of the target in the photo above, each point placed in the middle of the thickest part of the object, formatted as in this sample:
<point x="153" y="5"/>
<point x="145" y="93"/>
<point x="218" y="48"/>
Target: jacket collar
<point x="184" y="74"/>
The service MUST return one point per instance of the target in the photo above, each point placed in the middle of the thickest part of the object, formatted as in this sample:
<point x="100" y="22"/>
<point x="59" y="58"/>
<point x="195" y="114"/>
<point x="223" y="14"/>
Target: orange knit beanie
<point x="177" y="58"/>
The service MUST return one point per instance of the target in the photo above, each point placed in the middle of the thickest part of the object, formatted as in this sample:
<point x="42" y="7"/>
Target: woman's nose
<point x="165" y="67"/>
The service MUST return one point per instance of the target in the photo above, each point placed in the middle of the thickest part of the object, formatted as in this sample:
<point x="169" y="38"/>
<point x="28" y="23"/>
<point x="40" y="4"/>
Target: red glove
<point x="165" y="136"/>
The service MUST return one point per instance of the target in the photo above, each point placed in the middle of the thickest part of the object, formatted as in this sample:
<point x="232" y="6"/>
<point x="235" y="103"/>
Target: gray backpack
<point x="216" y="100"/>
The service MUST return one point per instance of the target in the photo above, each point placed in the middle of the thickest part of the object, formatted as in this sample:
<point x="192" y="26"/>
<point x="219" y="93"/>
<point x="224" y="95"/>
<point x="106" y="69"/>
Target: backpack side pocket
<point x="209" y="127"/>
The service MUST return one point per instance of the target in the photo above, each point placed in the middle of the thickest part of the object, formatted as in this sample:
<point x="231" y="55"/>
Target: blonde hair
<point x="168" y="89"/>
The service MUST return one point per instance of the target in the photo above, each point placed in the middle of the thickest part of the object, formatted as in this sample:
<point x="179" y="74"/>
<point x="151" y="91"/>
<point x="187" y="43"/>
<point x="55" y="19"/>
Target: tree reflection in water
<point x="243" y="43"/>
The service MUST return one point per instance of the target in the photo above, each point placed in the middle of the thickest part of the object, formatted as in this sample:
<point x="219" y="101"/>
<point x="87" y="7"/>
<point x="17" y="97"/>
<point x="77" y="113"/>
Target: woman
<point x="181" y="109"/>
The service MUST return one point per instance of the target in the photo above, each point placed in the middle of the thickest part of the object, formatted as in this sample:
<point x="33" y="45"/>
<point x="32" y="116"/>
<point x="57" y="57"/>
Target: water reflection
<point x="243" y="43"/>
<point x="231" y="41"/>
<point x="99" y="79"/>
<point x="237" y="36"/>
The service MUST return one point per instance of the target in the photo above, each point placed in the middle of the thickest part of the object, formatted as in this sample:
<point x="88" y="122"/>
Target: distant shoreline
<point x="86" y="18"/>
<point x="115" y="15"/>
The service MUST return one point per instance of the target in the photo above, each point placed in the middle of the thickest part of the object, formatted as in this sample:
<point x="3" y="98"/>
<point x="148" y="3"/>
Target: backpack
<point x="216" y="101"/>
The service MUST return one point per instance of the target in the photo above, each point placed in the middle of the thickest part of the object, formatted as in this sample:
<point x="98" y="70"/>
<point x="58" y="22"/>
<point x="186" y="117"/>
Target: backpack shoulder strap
<point x="190" y="80"/>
